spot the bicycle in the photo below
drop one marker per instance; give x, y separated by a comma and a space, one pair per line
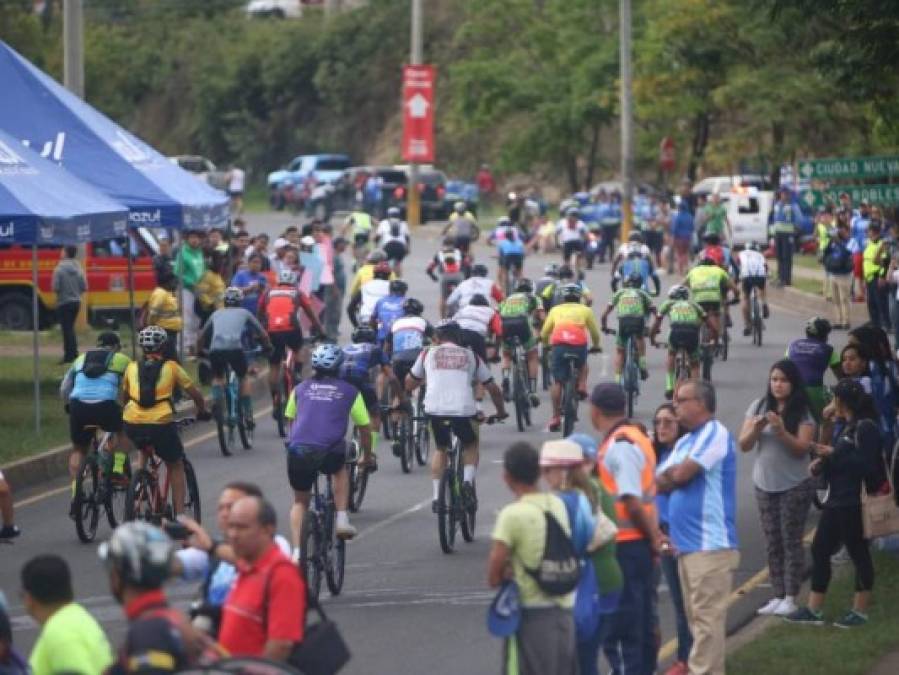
402, 433
358, 476
520, 393
286, 384
148, 492
706, 353
756, 323
322, 551
99, 486
630, 373
230, 416
421, 434
545, 368
682, 370
570, 396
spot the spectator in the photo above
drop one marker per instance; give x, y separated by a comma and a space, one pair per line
210, 290
215, 241
292, 235
313, 266
781, 426
7, 514
855, 364
545, 640
838, 264
236, 179
785, 219
252, 282
626, 469
682, 229
883, 375
190, 266
875, 262
69, 284
332, 309
700, 475
260, 246
71, 640
666, 432
240, 249
163, 264
264, 614
11, 662
893, 279
162, 310
813, 356
281, 246
859, 221
486, 183
844, 465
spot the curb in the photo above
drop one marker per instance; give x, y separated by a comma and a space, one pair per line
811, 304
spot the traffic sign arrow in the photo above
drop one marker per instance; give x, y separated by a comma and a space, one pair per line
806, 169
809, 198
418, 106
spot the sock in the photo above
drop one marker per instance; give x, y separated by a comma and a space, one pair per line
374, 441
468, 471
532, 385
73, 491
669, 380
118, 462
342, 518
642, 362
436, 483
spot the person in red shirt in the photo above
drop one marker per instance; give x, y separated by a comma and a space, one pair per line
485, 181
265, 611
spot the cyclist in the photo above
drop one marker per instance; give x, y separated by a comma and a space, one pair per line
279, 310
708, 284
360, 358
367, 272
91, 390
518, 312
685, 317
451, 268
448, 369
359, 224
511, 252
549, 279
463, 224
404, 343
632, 305
478, 283
753, 274
389, 308
571, 233
635, 256
567, 329
149, 413
225, 332
394, 239
552, 294
322, 407
362, 302
813, 356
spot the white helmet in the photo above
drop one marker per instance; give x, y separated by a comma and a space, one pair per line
152, 339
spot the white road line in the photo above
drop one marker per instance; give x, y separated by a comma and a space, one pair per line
381, 524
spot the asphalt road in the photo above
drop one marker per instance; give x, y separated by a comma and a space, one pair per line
405, 604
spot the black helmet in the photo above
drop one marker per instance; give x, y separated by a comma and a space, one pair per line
636, 236
479, 270
708, 260
565, 272
817, 327
711, 238
364, 334
478, 300
109, 339
633, 280
398, 287
449, 331
524, 286
413, 307
572, 292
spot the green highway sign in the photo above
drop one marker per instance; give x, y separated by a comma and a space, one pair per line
849, 167
874, 194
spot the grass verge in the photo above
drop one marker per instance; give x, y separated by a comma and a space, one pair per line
815, 286
785, 648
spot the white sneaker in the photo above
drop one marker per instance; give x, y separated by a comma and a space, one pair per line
786, 607
770, 607
295, 555
344, 529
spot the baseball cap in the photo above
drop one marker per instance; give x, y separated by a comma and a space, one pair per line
561, 453
280, 242
307, 241
608, 397
504, 613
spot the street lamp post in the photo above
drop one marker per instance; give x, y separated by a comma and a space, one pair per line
413, 196
627, 119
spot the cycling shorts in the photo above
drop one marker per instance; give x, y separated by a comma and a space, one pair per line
655, 239
444, 428
361, 239
104, 414
395, 251
520, 327
463, 243
627, 326
711, 306
569, 248
220, 359
475, 342
163, 438
401, 368
686, 337
448, 284
281, 342
559, 362
511, 261
748, 283
303, 466
369, 395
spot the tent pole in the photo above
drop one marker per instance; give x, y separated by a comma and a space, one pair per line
35, 318
179, 266
131, 296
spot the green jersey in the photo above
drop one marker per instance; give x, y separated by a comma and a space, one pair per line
682, 312
518, 304
631, 302
716, 217
707, 283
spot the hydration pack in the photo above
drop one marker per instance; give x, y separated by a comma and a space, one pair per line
148, 372
96, 362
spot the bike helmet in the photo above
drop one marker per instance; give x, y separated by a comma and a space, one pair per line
376, 256
327, 357
109, 339
679, 292
233, 296
448, 330
413, 307
382, 270
711, 238
573, 212
398, 287
479, 270
287, 276
524, 286
635, 236
551, 271
572, 292
817, 327
140, 553
479, 300
393, 212
364, 334
633, 280
565, 272
459, 207
503, 221
449, 241
152, 339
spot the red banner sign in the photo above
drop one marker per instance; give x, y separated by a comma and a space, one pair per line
418, 114
667, 156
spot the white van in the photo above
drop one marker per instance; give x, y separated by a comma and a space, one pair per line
748, 210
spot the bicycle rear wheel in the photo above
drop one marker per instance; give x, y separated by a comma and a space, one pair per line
139, 498
569, 404
311, 555
192, 495
360, 485
221, 425
545, 373
407, 449
468, 513
87, 505
117, 495
707, 363
446, 512
725, 340
422, 435
245, 432
336, 548
520, 397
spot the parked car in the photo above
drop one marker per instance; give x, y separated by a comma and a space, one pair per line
202, 168
431, 185
325, 169
460, 191
276, 9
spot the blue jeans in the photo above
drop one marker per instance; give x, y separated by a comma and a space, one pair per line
684, 637
588, 650
629, 644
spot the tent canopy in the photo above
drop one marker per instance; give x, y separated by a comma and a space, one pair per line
65, 129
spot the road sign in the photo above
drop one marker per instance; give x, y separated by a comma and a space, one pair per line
667, 155
418, 114
841, 168
874, 194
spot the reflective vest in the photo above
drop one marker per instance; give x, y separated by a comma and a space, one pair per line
361, 222
823, 234
871, 258
782, 222
627, 530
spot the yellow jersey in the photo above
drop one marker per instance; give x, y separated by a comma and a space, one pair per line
365, 274
570, 323
164, 410
162, 310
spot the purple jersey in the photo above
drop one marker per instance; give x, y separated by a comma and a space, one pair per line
812, 358
322, 414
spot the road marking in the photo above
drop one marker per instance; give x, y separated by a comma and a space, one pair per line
187, 444
381, 524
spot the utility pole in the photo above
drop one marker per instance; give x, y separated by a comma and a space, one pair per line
627, 118
73, 46
413, 203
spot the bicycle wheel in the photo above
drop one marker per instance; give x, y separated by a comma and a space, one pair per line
468, 513
359, 487
221, 424
86, 502
245, 432
446, 512
384, 402
569, 405
545, 372
520, 397
279, 403
334, 572
725, 341
422, 435
139, 498
117, 496
192, 495
352, 475
707, 363
407, 449
311, 555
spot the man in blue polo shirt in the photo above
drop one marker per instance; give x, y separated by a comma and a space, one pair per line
700, 475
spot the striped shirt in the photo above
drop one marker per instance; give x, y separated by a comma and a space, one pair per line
702, 513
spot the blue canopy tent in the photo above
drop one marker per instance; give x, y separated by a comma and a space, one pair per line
62, 127
43, 204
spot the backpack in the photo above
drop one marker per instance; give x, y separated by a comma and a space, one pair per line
837, 258
96, 362
586, 598
148, 372
559, 569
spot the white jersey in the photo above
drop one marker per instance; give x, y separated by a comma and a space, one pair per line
752, 264
469, 288
475, 317
385, 232
567, 233
372, 291
625, 249
449, 371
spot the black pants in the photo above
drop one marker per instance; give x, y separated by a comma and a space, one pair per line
841, 526
67, 314
783, 244
878, 304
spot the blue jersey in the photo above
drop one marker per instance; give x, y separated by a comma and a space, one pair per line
103, 387
359, 359
510, 247
387, 310
637, 264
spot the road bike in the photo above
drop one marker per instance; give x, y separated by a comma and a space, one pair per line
148, 492
521, 395
229, 414
630, 371
101, 484
322, 553
570, 395
756, 324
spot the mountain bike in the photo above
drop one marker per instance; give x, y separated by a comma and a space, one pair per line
286, 383
421, 433
229, 415
682, 369
358, 476
148, 492
630, 372
545, 368
570, 396
706, 352
101, 484
756, 324
322, 553
521, 396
